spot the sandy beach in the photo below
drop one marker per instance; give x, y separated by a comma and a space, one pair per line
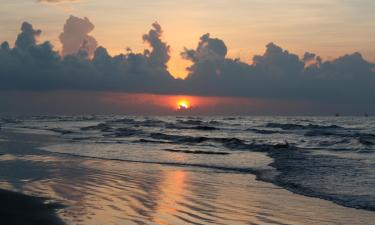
20, 209
96, 191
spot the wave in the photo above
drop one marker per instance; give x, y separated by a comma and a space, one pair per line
215, 123
201, 127
101, 126
138, 123
75, 118
197, 152
179, 139
229, 118
11, 120
61, 131
125, 132
297, 165
204, 128
315, 133
123, 120
366, 139
325, 143
230, 143
291, 126
259, 131
190, 122
142, 140
150, 123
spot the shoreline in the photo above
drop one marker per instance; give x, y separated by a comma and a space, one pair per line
99, 189
282, 165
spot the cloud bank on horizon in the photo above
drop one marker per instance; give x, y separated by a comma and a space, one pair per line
83, 66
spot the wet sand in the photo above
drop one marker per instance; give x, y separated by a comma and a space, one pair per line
114, 192
19, 209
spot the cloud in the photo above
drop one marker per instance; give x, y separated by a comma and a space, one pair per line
308, 57
38, 67
75, 36
159, 56
209, 49
277, 62
277, 74
208, 60
27, 37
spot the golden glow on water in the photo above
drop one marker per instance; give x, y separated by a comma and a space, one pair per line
172, 193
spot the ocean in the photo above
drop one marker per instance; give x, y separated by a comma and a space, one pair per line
331, 158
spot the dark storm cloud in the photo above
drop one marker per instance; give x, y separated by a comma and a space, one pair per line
276, 74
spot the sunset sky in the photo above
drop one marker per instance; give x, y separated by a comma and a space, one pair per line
296, 57
327, 27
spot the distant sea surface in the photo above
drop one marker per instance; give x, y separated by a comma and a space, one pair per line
332, 158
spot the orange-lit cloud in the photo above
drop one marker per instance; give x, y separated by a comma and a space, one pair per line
75, 36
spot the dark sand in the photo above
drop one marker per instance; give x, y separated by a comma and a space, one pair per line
22, 209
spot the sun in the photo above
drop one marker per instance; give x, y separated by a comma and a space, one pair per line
183, 105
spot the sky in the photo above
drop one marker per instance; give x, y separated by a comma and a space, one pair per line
334, 30
326, 27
